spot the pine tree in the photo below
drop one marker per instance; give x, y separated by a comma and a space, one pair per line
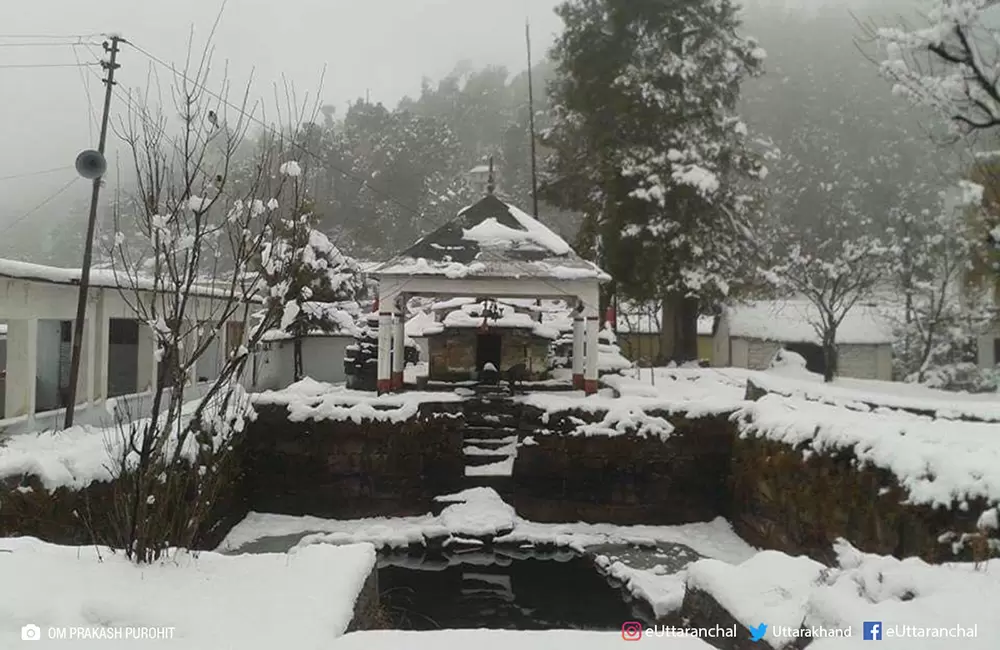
647, 145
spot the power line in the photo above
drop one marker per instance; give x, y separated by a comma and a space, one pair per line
312, 154
273, 131
47, 44
53, 36
41, 205
38, 173
90, 100
48, 65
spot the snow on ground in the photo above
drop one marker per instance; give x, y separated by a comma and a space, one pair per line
312, 400
910, 592
781, 590
856, 393
78, 456
496, 640
252, 602
936, 462
727, 387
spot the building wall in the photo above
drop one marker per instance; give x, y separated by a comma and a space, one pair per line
857, 361
322, 360
644, 347
987, 347
865, 361
452, 354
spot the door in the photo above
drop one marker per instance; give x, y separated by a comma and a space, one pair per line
487, 351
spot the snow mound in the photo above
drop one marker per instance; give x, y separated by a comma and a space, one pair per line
476, 512
211, 601
770, 586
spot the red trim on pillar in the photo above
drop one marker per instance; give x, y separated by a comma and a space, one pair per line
397, 381
384, 386
590, 386
578, 382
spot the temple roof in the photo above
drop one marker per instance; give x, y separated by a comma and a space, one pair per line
492, 239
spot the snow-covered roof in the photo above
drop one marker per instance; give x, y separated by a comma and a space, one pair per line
480, 169
419, 323
100, 277
493, 239
471, 315
790, 321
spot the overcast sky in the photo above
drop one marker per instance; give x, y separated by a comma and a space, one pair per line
381, 46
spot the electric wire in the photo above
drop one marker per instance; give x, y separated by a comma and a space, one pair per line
38, 173
38, 207
347, 174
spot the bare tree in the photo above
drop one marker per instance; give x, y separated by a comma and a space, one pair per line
204, 215
834, 277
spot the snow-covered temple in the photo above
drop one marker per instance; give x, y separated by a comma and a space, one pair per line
489, 252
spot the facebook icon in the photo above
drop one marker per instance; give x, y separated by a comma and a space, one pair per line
872, 631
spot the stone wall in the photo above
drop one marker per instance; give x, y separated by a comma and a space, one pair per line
625, 479
798, 505
77, 517
345, 469
452, 353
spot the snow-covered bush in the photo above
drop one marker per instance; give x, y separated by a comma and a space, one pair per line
964, 376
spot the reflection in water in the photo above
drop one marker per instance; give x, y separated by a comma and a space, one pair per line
482, 590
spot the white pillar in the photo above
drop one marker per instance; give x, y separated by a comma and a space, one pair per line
591, 354
578, 323
22, 368
384, 378
398, 346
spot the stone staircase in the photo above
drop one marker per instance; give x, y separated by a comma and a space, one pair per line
490, 438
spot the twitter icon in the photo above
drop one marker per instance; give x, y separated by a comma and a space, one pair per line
757, 633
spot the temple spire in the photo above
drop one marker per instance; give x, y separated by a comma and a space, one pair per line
491, 181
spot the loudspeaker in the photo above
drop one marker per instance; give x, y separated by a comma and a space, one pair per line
91, 164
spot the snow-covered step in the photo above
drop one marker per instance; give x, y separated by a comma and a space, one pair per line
508, 440
502, 468
506, 450
489, 432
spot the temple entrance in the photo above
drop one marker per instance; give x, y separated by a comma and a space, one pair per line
488, 348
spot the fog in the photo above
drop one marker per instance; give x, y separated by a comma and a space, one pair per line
380, 49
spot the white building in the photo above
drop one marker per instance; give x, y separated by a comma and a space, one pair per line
748, 335
38, 306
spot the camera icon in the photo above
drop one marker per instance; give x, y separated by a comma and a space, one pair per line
31, 632
631, 631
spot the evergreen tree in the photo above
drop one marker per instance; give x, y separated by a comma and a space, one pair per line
646, 144
309, 281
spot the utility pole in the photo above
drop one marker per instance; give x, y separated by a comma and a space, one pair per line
88, 248
531, 123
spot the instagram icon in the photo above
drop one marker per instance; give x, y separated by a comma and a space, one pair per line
632, 631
